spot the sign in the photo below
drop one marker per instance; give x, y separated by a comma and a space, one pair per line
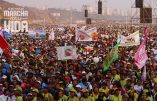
66, 52
38, 34
87, 35
131, 40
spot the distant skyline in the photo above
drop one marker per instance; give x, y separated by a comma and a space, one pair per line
74, 4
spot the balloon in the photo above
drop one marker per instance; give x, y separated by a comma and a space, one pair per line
96, 59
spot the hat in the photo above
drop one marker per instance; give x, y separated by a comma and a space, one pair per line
61, 88
90, 74
83, 72
67, 78
60, 82
29, 94
101, 90
85, 91
125, 95
72, 90
35, 90
38, 82
78, 86
18, 89
78, 74
4, 76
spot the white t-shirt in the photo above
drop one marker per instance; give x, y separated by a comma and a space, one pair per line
138, 88
5, 98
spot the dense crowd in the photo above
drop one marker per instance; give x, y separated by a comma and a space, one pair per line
34, 73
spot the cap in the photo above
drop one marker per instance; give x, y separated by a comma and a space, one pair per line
18, 89
61, 89
78, 86
60, 82
29, 94
125, 95
85, 91
83, 72
72, 90
35, 90
101, 90
4, 76
38, 82
67, 78
78, 74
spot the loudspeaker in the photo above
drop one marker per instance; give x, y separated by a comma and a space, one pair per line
86, 13
145, 15
139, 3
99, 7
88, 21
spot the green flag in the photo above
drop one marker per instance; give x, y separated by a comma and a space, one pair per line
112, 56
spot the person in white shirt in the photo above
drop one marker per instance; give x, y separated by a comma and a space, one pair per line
138, 87
5, 96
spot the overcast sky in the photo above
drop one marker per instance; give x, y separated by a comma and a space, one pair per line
75, 4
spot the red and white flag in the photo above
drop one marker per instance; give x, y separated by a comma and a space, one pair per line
5, 46
141, 55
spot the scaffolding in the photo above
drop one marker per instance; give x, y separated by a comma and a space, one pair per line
135, 12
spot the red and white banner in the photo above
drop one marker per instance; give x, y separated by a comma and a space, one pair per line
141, 55
87, 35
131, 40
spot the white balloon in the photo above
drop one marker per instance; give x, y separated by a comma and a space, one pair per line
96, 59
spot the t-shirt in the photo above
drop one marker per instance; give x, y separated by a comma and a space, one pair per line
95, 96
72, 99
116, 77
34, 99
88, 99
64, 98
123, 82
19, 98
4, 98
116, 98
48, 97
138, 88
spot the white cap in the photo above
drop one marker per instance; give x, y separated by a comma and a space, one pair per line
83, 72
4, 76
90, 74
78, 86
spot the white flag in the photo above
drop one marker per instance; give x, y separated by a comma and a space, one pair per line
144, 74
52, 35
131, 40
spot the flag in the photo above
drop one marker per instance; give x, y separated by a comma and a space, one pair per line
52, 35
5, 46
7, 35
146, 33
141, 56
131, 40
112, 56
1, 32
144, 74
86, 35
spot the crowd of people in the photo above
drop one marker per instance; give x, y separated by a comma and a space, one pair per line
35, 74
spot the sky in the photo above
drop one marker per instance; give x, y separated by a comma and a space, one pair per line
74, 4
